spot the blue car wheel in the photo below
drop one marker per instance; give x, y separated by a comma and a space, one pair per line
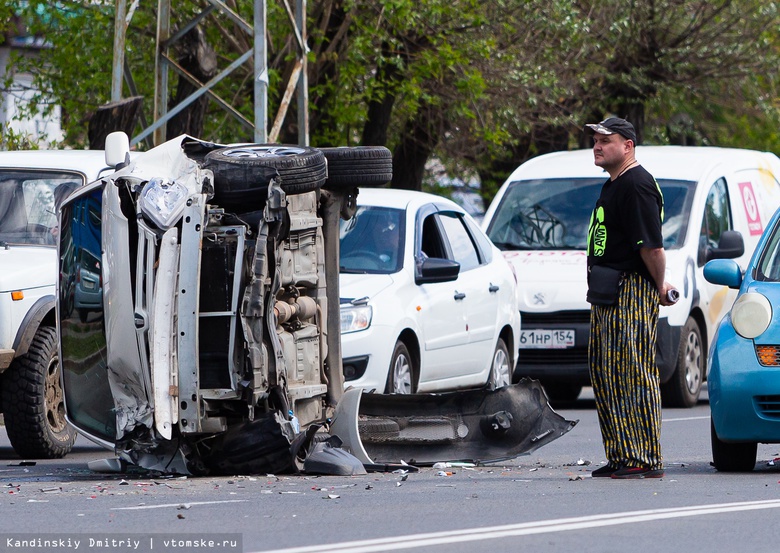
732, 457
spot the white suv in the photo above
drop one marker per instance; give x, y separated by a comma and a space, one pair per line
30, 392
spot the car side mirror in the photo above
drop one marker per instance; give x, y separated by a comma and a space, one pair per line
725, 272
117, 150
436, 269
730, 246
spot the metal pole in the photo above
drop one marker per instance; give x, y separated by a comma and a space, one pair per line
120, 31
261, 73
161, 69
303, 80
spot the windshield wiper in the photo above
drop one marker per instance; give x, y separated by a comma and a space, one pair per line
509, 246
352, 271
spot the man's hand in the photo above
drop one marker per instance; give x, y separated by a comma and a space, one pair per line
664, 291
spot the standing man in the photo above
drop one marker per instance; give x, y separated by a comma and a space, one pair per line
626, 269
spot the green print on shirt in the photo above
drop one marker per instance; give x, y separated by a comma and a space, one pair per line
597, 233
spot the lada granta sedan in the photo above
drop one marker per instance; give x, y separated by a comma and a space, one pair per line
428, 303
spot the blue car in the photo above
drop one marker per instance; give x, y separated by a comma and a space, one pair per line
744, 361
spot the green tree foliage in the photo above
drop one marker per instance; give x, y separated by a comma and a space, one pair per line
480, 85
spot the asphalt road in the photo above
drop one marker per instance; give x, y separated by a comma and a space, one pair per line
542, 502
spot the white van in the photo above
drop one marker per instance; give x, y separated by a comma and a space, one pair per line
539, 219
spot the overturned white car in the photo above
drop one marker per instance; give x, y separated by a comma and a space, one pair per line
210, 343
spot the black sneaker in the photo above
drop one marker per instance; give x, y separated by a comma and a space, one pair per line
604, 472
630, 473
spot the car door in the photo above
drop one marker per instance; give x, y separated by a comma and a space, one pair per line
441, 309
480, 282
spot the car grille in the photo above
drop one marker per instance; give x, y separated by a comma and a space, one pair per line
768, 356
541, 320
768, 406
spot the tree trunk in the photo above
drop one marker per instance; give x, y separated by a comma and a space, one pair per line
200, 60
419, 139
116, 116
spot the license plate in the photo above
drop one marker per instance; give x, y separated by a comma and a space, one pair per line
542, 338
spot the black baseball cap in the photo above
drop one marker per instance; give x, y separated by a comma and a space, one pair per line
614, 125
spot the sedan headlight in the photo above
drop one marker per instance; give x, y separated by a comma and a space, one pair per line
355, 318
751, 315
163, 201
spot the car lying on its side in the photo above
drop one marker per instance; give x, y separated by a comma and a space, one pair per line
428, 303
744, 361
31, 183
211, 342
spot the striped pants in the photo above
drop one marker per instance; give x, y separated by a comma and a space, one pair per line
624, 375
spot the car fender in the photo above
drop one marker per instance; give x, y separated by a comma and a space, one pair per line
40, 310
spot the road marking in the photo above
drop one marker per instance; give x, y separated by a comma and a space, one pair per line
187, 503
686, 419
528, 528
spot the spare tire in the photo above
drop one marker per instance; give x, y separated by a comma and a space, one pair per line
350, 167
242, 173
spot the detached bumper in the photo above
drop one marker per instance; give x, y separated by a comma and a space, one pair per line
481, 426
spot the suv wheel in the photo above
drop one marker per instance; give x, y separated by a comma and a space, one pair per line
33, 404
351, 167
242, 173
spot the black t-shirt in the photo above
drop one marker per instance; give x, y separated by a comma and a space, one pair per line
627, 217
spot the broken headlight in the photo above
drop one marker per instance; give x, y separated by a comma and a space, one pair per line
163, 201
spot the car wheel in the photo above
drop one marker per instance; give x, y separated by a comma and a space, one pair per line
562, 391
732, 457
33, 404
500, 371
684, 388
358, 166
401, 378
242, 173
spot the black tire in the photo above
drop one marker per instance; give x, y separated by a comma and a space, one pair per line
402, 373
500, 367
684, 387
351, 167
732, 457
562, 391
242, 173
33, 404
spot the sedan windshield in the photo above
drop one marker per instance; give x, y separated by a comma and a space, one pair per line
553, 214
372, 241
27, 210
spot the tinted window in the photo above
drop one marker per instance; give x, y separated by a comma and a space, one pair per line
553, 214
83, 341
372, 241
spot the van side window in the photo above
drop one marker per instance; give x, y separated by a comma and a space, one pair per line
717, 218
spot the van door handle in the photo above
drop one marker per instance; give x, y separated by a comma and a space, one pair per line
459, 295
493, 288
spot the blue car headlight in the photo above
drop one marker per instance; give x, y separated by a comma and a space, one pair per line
355, 317
751, 315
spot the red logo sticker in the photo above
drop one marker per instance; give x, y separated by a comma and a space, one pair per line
751, 208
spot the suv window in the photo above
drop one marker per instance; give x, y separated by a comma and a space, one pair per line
27, 210
553, 214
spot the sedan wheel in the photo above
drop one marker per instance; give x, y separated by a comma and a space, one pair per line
684, 388
401, 378
732, 457
500, 371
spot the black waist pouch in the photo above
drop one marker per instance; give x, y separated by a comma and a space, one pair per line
604, 285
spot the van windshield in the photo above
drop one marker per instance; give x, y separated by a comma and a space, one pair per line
553, 214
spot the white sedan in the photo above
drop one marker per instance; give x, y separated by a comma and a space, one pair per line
428, 303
